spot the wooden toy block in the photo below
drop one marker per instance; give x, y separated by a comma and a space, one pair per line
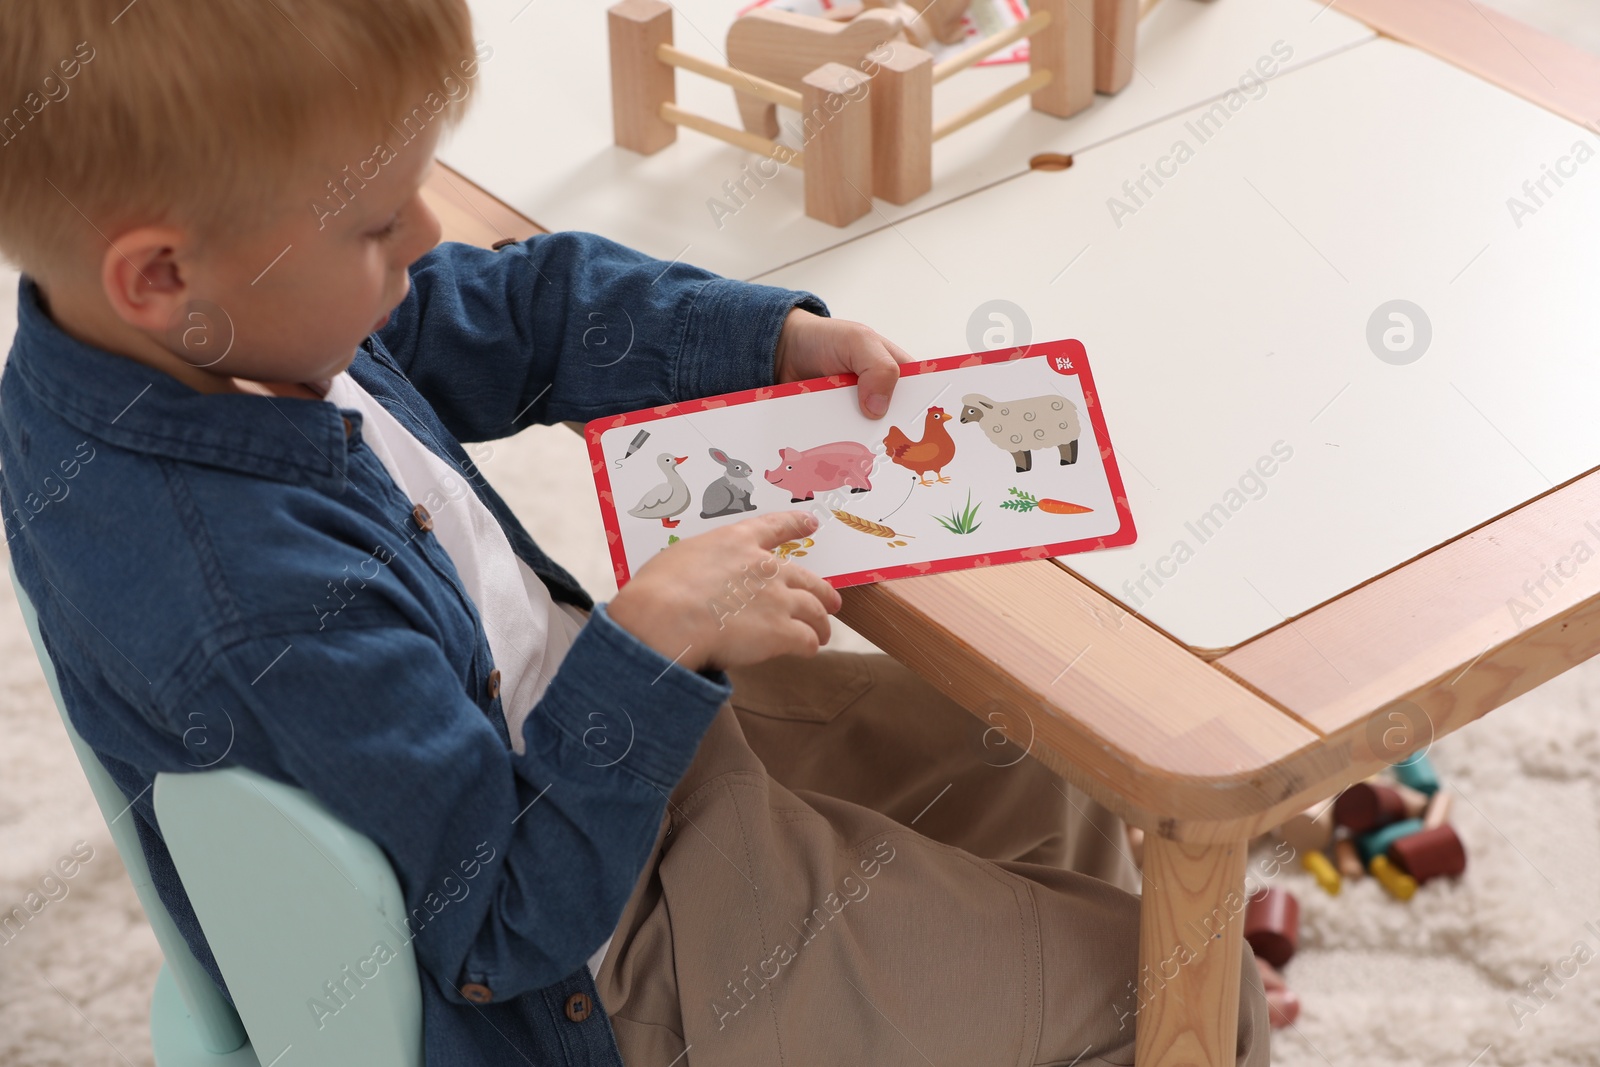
782, 47
1319, 867
1366, 806
838, 156
1272, 925
1116, 40
1418, 773
1429, 854
1438, 813
1116, 29
1348, 859
1414, 802
1400, 885
1065, 48
640, 82
1378, 841
902, 99
1041, 24
1309, 831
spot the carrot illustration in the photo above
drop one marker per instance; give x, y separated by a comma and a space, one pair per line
1027, 502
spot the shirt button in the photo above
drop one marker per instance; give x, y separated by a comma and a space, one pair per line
494, 683
579, 1006
420, 516
478, 994
347, 426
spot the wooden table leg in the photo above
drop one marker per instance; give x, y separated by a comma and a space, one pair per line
1191, 928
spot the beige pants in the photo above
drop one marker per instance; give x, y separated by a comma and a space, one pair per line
856, 870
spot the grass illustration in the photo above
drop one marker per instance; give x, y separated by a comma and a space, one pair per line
961, 522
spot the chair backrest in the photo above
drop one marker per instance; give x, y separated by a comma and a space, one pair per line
304, 915
218, 1024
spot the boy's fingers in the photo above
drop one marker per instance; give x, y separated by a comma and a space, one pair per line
813, 583
810, 613
875, 384
805, 635
816, 619
776, 527
900, 355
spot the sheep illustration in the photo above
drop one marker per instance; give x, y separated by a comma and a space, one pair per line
1020, 426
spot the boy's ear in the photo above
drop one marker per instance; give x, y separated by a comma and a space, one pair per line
144, 274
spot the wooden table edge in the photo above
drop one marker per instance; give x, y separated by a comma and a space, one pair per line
1455, 632
1496, 47
470, 213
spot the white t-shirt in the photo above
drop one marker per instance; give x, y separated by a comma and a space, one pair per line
528, 631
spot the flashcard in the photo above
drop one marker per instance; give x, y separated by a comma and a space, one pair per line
981, 459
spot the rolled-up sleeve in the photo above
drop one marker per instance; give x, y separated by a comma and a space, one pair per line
514, 868
572, 326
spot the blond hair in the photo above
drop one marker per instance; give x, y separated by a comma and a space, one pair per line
199, 113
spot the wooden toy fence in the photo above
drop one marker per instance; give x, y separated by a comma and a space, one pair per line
866, 132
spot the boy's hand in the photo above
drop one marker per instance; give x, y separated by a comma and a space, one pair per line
813, 346
722, 598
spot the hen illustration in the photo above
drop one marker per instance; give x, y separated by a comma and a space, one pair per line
933, 453
668, 499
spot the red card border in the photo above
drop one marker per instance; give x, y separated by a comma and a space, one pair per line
1125, 534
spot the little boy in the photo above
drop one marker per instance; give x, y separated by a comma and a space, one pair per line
234, 486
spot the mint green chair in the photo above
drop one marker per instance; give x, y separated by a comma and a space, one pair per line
304, 915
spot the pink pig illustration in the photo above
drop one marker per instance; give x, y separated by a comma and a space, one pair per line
810, 471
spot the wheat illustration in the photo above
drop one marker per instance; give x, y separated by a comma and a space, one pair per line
794, 548
867, 526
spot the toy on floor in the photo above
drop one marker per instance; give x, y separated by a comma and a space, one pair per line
1395, 828
1272, 929
1272, 925
857, 145
1283, 1005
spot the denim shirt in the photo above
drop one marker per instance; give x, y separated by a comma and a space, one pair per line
246, 560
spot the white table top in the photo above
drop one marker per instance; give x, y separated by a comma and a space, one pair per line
1230, 312
539, 134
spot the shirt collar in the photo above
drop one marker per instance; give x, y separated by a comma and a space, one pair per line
138, 408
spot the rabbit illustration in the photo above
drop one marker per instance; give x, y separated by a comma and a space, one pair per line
729, 494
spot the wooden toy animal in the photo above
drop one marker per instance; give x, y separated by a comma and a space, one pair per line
942, 18
1019, 426
783, 47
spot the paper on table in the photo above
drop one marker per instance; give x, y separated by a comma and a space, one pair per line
984, 18
915, 492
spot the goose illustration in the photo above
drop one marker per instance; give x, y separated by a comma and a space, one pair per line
671, 497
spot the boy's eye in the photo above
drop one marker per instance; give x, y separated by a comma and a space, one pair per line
387, 231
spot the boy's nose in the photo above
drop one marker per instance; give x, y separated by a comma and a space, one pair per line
428, 230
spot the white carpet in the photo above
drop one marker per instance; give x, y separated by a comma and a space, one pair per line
1425, 983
